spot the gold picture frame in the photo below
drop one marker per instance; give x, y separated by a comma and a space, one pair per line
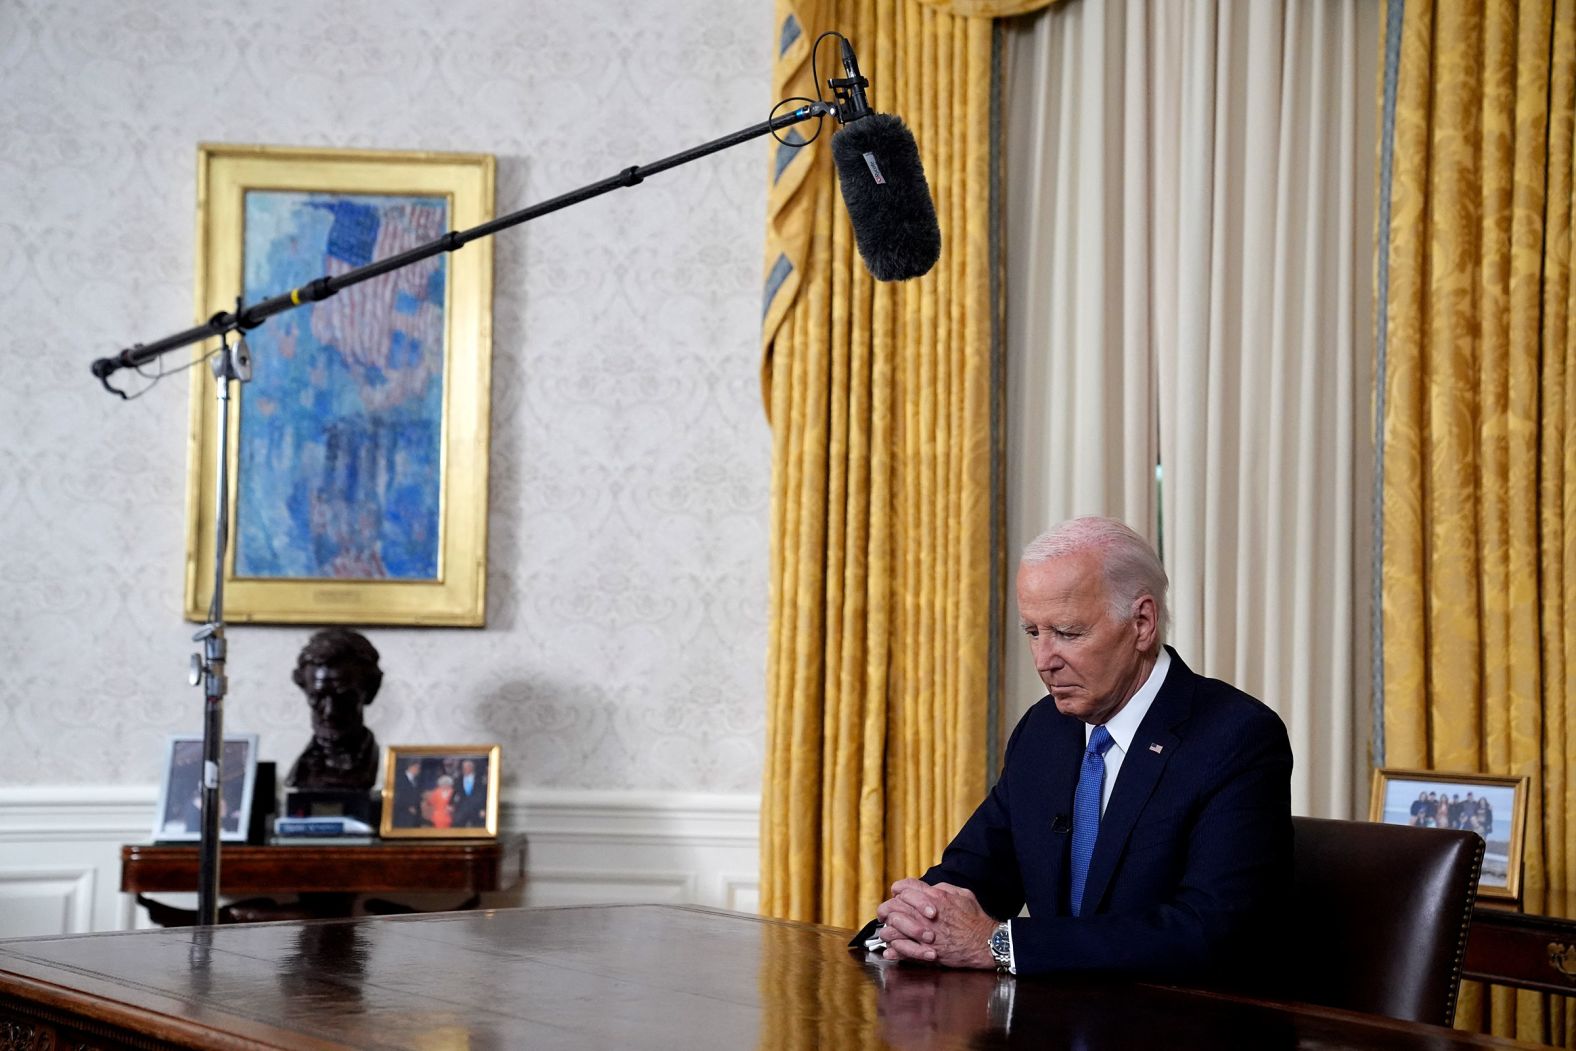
424, 790
1498, 813
358, 452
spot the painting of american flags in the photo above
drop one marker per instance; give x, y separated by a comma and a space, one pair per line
358, 451
339, 467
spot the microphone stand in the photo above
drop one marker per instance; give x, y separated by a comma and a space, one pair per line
233, 364
247, 318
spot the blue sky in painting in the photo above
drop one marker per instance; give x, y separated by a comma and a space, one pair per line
341, 427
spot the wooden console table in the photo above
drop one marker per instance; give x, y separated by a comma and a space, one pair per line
1532, 947
327, 879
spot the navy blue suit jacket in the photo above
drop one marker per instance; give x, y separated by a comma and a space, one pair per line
1194, 846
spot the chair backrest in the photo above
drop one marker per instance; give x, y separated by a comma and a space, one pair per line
1381, 914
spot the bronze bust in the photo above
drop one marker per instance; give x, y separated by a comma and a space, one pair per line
338, 671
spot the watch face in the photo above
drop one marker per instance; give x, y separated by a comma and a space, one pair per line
999, 943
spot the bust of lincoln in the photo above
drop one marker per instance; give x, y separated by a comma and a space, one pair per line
338, 671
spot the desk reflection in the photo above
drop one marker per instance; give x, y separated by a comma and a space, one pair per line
326, 969
929, 1009
926, 1009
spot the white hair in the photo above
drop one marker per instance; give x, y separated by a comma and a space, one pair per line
1131, 567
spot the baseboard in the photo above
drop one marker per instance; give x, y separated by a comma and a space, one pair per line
60, 846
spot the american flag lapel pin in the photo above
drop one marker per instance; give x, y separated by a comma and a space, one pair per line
1157, 748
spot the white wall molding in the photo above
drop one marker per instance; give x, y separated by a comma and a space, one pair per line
611, 846
603, 886
741, 891
692, 818
74, 812
38, 899
61, 846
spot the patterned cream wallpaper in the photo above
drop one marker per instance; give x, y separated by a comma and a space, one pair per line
630, 454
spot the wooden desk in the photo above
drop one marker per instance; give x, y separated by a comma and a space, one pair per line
328, 879
1532, 947
607, 976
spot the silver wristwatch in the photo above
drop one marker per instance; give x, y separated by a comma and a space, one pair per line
1001, 946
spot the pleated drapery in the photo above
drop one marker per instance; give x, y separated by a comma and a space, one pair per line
1262, 325
884, 556
1478, 454
988, 8
1188, 286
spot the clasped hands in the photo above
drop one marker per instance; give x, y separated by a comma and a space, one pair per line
940, 924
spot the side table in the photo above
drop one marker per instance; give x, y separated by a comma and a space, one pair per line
1530, 945
327, 879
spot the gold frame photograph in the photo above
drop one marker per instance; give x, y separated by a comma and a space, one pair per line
415, 792
1392, 802
339, 515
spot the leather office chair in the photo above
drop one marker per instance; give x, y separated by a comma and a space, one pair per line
1381, 914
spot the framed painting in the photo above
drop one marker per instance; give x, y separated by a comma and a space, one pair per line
180, 789
359, 447
1493, 807
440, 790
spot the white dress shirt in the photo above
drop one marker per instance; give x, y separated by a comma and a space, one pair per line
1124, 724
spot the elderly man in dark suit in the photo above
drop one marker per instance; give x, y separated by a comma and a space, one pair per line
410, 784
1143, 813
470, 795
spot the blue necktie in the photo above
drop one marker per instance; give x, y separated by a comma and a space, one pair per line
1086, 809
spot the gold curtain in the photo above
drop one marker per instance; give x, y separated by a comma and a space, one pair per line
884, 554
988, 8
1478, 456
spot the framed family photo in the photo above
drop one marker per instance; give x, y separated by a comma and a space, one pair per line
1493, 807
359, 447
440, 791
180, 793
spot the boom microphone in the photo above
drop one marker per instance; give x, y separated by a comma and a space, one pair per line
852, 104
883, 184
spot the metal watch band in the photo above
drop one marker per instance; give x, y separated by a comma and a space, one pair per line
1001, 946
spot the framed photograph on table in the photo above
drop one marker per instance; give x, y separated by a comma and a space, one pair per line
179, 816
359, 446
1493, 807
440, 791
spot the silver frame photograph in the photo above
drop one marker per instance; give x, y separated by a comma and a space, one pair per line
182, 780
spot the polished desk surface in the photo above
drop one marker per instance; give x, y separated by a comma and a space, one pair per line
595, 977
